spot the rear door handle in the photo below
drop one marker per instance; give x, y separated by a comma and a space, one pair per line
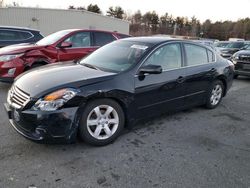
180, 80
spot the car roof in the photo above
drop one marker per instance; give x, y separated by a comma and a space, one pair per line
18, 28
152, 40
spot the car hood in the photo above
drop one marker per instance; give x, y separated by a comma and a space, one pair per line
229, 49
46, 79
243, 52
243, 55
18, 48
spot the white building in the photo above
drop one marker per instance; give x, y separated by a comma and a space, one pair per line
51, 20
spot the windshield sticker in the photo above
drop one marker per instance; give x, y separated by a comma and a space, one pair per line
141, 47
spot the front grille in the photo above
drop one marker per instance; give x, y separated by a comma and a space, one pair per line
17, 97
245, 58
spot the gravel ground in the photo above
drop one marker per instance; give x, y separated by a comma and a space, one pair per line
193, 148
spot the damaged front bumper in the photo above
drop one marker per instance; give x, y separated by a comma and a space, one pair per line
58, 126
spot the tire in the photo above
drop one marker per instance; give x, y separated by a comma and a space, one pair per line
215, 94
96, 127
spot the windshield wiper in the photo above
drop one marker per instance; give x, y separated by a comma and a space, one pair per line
90, 66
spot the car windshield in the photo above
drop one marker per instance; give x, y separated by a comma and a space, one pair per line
51, 39
247, 47
235, 45
220, 44
117, 56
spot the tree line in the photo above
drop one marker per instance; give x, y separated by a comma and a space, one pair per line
151, 23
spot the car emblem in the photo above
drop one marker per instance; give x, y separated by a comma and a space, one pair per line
11, 93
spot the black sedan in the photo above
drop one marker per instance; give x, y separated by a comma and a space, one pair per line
120, 83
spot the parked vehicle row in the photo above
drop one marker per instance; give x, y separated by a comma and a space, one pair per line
115, 86
62, 46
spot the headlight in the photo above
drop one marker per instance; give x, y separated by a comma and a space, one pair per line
55, 100
10, 57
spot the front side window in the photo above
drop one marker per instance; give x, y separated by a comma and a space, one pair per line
101, 38
78, 40
195, 54
168, 57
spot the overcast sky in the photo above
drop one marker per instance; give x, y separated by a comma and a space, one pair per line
202, 9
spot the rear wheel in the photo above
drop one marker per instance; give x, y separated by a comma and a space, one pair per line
215, 94
102, 122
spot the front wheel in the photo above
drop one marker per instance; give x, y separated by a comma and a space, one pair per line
215, 94
102, 122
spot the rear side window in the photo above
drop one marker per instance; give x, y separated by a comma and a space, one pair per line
210, 56
101, 38
11, 35
195, 54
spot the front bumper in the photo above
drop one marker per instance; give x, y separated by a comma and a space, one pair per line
45, 127
16, 64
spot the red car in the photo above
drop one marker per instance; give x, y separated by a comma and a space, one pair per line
62, 46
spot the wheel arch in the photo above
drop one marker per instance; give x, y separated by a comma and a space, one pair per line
35, 62
223, 79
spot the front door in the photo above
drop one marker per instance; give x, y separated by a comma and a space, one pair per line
81, 46
162, 92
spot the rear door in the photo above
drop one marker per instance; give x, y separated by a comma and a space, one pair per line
102, 38
82, 45
200, 72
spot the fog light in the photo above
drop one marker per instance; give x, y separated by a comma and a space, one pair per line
12, 71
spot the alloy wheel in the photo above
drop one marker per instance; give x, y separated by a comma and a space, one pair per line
102, 122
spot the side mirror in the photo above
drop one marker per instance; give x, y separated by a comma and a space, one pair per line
150, 69
66, 45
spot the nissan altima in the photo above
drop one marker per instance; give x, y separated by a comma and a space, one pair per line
120, 83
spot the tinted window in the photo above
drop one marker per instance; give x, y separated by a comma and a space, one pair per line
168, 56
11, 35
81, 39
195, 54
235, 45
103, 38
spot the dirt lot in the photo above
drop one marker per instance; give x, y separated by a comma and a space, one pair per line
194, 148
